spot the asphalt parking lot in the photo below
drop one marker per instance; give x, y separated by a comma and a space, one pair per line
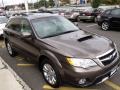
30, 73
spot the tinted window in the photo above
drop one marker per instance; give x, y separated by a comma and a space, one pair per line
14, 24
25, 26
115, 12
51, 26
107, 12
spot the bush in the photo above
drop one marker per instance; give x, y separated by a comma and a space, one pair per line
96, 3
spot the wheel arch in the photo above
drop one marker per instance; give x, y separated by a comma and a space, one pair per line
45, 54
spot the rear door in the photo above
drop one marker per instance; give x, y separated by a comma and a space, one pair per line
24, 45
13, 31
115, 20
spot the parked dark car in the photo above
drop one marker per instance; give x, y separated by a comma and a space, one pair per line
64, 52
109, 19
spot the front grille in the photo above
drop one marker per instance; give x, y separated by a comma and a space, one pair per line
108, 58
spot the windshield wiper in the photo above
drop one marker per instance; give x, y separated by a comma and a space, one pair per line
60, 33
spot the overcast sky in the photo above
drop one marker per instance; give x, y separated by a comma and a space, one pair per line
9, 2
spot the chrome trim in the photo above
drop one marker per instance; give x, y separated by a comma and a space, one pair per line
109, 57
113, 54
104, 53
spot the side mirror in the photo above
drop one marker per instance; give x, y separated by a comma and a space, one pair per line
26, 34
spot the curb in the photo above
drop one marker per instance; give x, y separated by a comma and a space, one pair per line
18, 79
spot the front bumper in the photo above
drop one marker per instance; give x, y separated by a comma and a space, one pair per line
86, 17
94, 77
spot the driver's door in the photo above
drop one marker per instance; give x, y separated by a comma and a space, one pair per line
27, 45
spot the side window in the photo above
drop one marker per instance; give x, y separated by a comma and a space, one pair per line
25, 26
115, 12
107, 12
14, 24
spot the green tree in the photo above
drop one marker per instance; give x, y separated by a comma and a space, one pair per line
96, 3
110, 2
43, 3
36, 5
51, 3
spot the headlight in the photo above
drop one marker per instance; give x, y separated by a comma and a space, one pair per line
84, 63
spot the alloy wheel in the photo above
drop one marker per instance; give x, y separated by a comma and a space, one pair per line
105, 26
49, 74
9, 49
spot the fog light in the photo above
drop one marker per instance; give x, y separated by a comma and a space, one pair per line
82, 81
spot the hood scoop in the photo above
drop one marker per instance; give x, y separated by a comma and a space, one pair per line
85, 38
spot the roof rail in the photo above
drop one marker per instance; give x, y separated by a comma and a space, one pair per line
20, 14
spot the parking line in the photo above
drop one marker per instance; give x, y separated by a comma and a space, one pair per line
19, 58
25, 65
3, 46
47, 87
0, 46
113, 85
91, 25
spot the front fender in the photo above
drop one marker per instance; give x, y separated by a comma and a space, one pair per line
51, 56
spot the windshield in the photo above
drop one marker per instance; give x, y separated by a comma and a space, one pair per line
53, 26
3, 20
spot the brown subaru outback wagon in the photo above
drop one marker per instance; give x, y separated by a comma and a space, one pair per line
64, 52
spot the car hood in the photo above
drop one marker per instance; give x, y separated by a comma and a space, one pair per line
80, 44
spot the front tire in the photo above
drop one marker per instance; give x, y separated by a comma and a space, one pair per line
10, 49
105, 26
51, 73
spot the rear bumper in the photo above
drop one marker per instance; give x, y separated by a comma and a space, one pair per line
86, 17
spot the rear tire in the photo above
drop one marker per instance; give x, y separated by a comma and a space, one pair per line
50, 73
10, 49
